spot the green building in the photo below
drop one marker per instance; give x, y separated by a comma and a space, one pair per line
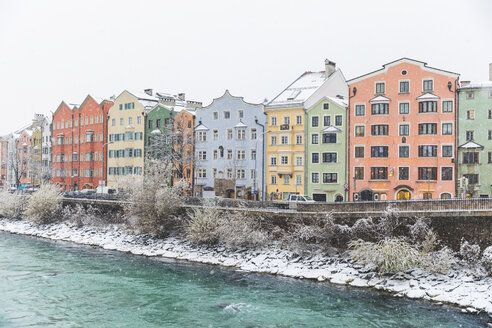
475, 139
326, 150
158, 131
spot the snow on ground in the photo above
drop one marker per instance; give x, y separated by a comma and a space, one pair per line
458, 287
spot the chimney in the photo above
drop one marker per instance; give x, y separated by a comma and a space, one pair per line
490, 72
329, 67
181, 96
464, 83
148, 91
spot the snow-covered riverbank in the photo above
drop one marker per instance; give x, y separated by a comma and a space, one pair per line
457, 287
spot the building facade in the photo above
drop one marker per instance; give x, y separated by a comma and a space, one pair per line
326, 150
46, 161
285, 148
126, 128
158, 132
183, 150
402, 140
36, 151
64, 175
475, 139
229, 145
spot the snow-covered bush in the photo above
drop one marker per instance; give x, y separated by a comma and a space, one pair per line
437, 262
152, 200
12, 206
45, 205
470, 253
81, 216
389, 255
203, 225
487, 260
364, 229
429, 243
242, 230
420, 229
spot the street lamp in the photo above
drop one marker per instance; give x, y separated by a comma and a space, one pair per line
256, 159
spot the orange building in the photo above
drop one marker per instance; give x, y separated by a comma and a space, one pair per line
183, 157
402, 132
62, 147
23, 161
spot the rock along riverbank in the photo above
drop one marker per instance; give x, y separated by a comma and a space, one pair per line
459, 287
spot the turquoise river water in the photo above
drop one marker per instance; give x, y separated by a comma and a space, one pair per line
55, 284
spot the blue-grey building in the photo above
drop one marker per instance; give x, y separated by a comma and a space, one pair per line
230, 148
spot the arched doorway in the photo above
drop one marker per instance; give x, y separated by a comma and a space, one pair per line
338, 198
446, 195
403, 194
366, 195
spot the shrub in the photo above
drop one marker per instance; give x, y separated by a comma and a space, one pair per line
437, 262
45, 205
470, 253
12, 206
487, 260
82, 216
239, 229
420, 229
203, 226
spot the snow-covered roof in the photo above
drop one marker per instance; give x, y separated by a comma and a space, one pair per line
471, 145
379, 99
331, 129
156, 131
428, 96
485, 84
240, 125
342, 102
201, 127
146, 100
300, 89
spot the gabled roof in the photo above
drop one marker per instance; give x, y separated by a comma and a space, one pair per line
422, 65
240, 125
201, 127
471, 145
227, 94
342, 102
428, 96
379, 99
299, 90
478, 85
331, 129
62, 105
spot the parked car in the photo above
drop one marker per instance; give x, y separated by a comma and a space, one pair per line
300, 198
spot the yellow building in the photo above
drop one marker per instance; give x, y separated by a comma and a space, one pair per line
126, 127
37, 140
285, 151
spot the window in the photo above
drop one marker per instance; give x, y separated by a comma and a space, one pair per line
326, 120
470, 95
447, 151
404, 130
215, 154
298, 180
427, 173
253, 154
139, 119
359, 130
240, 155
490, 157
329, 138
470, 114
202, 173
314, 138
229, 154
284, 160
241, 174
447, 106
359, 151
229, 173
428, 85
113, 122
286, 180
253, 134
299, 139
379, 109
470, 135
329, 157
446, 173
427, 128
427, 151
379, 151
214, 172
472, 178
326, 106
274, 140
427, 195
273, 161
273, 179
404, 108
274, 121
315, 158
299, 119
403, 173
215, 115
298, 160
229, 134
215, 134
315, 177
404, 86
379, 87
360, 110
379, 130
241, 134
287, 120
240, 114
490, 114
252, 173
359, 173
447, 129
122, 122
157, 122
404, 151
314, 121
338, 120
202, 136
470, 158
284, 140
490, 134
379, 173
227, 115
427, 106
330, 177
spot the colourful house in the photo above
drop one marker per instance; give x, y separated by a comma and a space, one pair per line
475, 139
65, 176
402, 140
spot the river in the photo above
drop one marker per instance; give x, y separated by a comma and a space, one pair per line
57, 284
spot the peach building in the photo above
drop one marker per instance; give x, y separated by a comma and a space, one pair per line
402, 132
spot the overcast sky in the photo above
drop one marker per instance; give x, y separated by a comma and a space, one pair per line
63, 50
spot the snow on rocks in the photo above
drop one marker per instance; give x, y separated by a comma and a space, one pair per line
459, 287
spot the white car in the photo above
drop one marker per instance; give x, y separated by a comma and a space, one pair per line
301, 198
